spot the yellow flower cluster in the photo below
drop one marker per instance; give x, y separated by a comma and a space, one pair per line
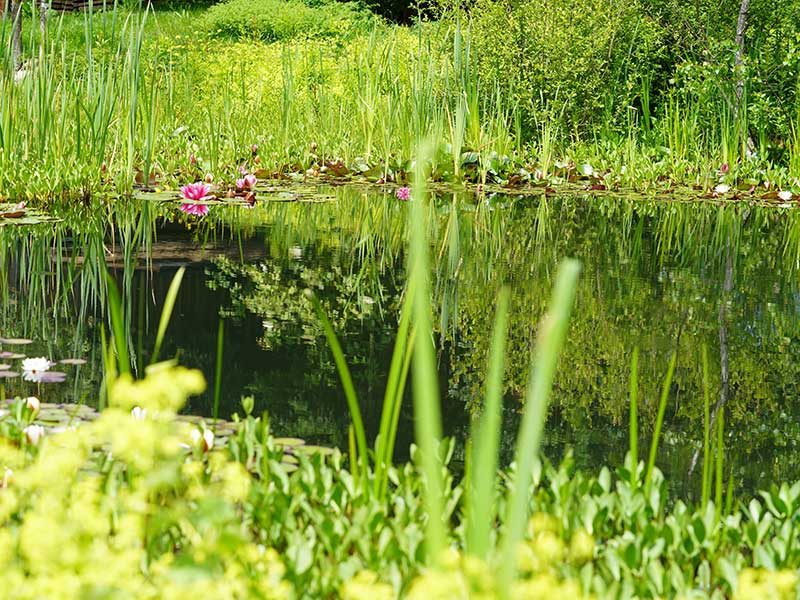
757, 584
538, 558
118, 509
469, 578
366, 586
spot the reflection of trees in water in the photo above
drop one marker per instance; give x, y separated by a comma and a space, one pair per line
646, 266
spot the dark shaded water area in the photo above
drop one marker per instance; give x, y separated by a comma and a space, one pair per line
662, 276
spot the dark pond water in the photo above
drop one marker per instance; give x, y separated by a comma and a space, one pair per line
658, 275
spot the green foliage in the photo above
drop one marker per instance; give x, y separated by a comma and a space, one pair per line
273, 20
580, 64
133, 512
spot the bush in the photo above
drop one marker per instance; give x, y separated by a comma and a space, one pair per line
584, 62
273, 20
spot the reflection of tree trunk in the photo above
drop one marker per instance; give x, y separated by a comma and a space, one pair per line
722, 321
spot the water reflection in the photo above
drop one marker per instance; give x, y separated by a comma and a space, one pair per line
664, 276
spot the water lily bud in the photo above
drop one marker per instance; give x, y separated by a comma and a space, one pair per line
103, 168
257, 160
242, 170
20, 206
33, 433
254, 149
192, 159
313, 146
139, 413
205, 439
209, 178
32, 402
6, 478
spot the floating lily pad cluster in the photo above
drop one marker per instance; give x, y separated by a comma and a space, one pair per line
277, 192
20, 214
37, 370
50, 418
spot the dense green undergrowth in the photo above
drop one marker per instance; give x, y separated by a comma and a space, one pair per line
618, 99
140, 510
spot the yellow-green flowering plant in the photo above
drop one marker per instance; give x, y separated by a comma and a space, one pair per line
119, 508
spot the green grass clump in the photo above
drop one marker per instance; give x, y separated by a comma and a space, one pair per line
275, 20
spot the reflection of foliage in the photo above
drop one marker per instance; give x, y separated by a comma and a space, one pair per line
279, 295
657, 285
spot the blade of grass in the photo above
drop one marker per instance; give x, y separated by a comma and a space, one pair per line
393, 395
662, 407
117, 326
550, 339
390, 442
218, 372
634, 418
427, 411
486, 440
347, 383
166, 312
720, 452
706, 488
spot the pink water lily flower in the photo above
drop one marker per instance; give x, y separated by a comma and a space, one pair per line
195, 191
200, 210
723, 170
246, 183
404, 193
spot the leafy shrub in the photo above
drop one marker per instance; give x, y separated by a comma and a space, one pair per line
273, 20
583, 61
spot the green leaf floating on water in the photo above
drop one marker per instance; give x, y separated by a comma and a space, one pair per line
11, 214
15, 341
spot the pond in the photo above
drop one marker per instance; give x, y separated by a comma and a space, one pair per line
661, 275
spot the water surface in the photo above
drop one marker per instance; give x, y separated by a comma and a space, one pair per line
658, 275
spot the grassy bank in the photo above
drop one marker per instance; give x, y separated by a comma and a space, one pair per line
115, 99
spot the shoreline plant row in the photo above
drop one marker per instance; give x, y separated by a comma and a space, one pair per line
112, 100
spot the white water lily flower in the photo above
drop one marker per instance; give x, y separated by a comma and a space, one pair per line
33, 433
722, 188
587, 169
32, 402
204, 438
785, 195
139, 413
34, 368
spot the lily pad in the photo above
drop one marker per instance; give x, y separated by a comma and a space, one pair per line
72, 361
4, 367
288, 441
8, 374
325, 451
11, 355
15, 341
52, 377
